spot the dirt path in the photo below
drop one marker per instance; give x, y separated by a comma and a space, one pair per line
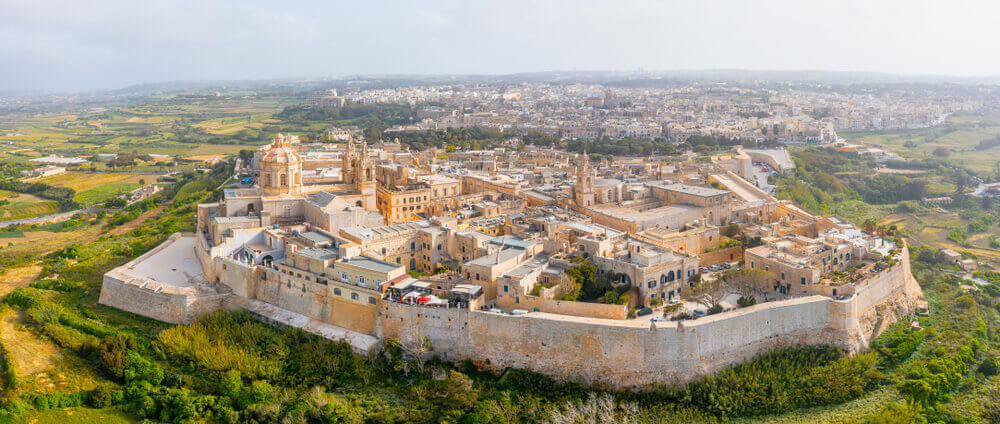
136, 222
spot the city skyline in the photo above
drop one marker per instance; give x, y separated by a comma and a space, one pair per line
56, 45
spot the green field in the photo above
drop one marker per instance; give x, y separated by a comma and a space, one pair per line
960, 133
24, 206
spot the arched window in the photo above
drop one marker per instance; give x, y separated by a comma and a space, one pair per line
284, 180
670, 276
354, 296
413, 264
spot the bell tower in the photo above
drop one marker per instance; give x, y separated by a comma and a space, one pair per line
364, 177
584, 190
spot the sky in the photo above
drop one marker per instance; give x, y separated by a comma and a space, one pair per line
59, 45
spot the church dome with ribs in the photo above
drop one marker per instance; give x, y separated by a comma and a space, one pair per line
280, 152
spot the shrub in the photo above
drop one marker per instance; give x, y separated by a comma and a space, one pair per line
897, 345
23, 298
103, 396
783, 380
989, 367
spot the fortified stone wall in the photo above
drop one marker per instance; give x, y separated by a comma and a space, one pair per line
630, 354
170, 306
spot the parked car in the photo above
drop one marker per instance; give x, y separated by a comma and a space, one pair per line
699, 313
660, 319
644, 312
673, 302
703, 270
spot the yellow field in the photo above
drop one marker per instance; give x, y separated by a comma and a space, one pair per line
43, 242
94, 188
18, 277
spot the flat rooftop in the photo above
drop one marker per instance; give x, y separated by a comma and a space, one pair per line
689, 189
527, 267
634, 213
372, 264
318, 254
494, 258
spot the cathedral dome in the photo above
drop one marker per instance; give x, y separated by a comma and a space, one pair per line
280, 152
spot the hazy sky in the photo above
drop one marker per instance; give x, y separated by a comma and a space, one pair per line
82, 44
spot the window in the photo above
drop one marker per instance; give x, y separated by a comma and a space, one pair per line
284, 180
505, 289
354, 296
361, 280
751, 264
371, 300
343, 277
336, 292
803, 280
651, 284
782, 275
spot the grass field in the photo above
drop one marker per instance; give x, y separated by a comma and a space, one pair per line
95, 188
25, 206
42, 242
932, 228
960, 134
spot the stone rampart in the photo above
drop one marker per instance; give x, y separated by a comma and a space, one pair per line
122, 288
153, 302
636, 354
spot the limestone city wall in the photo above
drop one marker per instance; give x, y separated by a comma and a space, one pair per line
630, 354
175, 308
